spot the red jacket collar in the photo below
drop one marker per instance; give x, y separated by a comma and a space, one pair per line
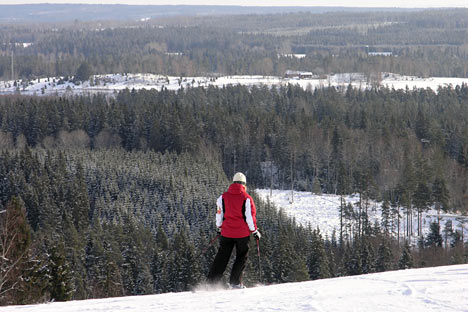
236, 188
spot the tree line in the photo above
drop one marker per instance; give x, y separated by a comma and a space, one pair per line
423, 43
377, 142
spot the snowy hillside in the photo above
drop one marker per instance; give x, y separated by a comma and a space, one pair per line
322, 211
429, 289
115, 82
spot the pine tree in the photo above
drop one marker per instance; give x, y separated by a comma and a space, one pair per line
456, 239
83, 72
60, 284
448, 231
144, 280
408, 186
160, 262
458, 250
406, 259
395, 212
352, 261
289, 265
422, 199
440, 193
183, 268
330, 248
113, 279
342, 212
161, 239
367, 257
384, 258
317, 259
159, 271
95, 266
434, 238
386, 217
299, 271
78, 201
441, 196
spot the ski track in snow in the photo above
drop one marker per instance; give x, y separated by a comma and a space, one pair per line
428, 289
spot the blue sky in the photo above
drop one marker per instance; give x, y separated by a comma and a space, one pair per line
349, 3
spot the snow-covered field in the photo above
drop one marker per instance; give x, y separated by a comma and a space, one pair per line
115, 82
317, 210
416, 290
322, 211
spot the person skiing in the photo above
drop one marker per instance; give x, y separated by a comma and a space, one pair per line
235, 221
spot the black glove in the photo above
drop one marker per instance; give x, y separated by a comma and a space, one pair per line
257, 234
218, 230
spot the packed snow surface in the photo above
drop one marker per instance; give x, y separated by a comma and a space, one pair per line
428, 289
115, 82
322, 211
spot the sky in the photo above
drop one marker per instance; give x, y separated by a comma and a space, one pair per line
347, 3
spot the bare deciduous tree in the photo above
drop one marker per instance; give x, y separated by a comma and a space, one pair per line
107, 139
15, 239
6, 140
74, 139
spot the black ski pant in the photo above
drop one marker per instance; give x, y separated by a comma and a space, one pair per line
222, 258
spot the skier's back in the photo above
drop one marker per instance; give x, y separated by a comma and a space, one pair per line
236, 219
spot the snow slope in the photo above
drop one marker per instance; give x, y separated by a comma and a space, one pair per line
322, 211
428, 289
115, 82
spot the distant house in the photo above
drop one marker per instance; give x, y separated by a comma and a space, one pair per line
298, 74
305, 75
380, 53
292, 74
292, 55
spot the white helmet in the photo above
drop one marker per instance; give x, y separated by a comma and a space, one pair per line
239, 177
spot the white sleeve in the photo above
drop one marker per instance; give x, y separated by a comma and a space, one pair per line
248, 215
219, 211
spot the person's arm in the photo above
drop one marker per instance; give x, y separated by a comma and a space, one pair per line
250, 215
219, 212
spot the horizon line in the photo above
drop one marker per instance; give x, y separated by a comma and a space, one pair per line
239, 5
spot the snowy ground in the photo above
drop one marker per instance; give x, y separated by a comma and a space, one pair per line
115, 82
322, 211
428, 289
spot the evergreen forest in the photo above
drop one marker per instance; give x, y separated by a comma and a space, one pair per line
422, 43
110, 196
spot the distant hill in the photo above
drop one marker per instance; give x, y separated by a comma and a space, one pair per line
89, 12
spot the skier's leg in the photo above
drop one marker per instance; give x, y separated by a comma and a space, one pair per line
221, 260
242, 249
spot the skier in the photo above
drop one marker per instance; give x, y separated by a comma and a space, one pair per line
235, 221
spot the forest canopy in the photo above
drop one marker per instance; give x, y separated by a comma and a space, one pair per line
421, 43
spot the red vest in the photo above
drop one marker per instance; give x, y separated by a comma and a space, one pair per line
234, 223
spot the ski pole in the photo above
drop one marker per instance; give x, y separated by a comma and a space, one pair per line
259, 261
209, 245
